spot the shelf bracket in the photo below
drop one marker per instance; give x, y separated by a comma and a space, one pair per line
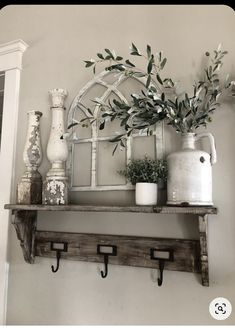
25, 223
203, 230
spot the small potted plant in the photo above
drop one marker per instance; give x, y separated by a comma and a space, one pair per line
145, 174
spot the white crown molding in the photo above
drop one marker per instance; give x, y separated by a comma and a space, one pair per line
11, 54
12, 46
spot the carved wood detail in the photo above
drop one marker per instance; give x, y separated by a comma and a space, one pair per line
25, 223
203, 228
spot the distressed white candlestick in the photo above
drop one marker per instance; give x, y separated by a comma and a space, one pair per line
55, 187
29, 189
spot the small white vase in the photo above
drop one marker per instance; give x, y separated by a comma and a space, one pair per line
145, 193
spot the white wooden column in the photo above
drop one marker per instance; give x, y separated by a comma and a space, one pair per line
10, 62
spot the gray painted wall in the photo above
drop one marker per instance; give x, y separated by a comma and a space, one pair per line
60, 38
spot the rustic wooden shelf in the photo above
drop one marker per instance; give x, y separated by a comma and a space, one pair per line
136, 209
187, 254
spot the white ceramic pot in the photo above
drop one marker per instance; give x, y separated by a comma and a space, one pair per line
145, 193
189, 179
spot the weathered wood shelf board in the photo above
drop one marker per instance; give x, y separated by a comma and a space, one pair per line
178, 254
135, 209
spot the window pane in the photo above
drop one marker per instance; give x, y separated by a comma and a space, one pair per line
111, 128
81, 132
82, 165
131, 86
96, 90
143, 146
112, 164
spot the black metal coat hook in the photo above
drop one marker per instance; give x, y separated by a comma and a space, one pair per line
161, 268
57, 263
106, 261
106, 250
161, 255
58, 247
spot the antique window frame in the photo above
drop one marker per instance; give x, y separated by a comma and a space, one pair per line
158, 133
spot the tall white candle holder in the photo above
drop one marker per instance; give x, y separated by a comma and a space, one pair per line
55, 187
29, 189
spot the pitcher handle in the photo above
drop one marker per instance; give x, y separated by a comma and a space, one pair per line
212, 145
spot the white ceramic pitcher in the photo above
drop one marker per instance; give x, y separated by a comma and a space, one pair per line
190, 172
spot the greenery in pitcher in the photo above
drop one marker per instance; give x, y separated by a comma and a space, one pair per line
160, 100
145, 170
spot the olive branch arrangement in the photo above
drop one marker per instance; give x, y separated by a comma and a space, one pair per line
159, 100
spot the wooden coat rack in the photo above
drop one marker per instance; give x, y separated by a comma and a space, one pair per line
187, 255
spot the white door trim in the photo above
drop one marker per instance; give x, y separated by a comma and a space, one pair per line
11, 63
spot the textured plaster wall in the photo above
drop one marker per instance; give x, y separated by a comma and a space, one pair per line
60, 38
